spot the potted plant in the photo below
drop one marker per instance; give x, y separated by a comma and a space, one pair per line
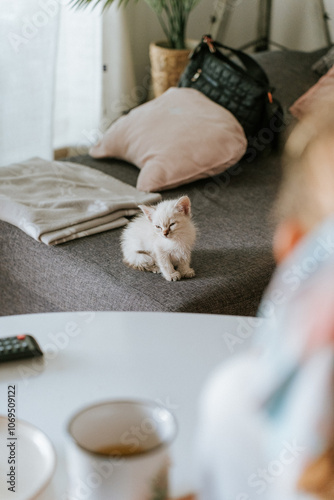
170, 57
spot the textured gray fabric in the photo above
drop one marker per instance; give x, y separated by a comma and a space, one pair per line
291, 75
324, 63
232, 258
290, 72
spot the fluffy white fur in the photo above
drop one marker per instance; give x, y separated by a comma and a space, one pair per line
160, 239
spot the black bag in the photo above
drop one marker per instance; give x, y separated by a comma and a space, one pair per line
246, 93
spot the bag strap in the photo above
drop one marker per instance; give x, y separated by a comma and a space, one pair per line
252, 67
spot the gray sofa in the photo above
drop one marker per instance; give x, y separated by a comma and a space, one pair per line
232, 258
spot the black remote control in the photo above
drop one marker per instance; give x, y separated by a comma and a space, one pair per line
19, 347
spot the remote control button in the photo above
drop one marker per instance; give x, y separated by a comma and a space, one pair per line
17, 347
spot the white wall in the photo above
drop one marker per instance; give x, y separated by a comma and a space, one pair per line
295, 23
298, 23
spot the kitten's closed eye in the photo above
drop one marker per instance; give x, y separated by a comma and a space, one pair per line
172, 224
158, 227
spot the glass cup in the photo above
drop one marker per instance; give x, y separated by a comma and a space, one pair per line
119, 450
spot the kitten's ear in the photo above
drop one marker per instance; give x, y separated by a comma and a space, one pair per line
183, 205
148, 211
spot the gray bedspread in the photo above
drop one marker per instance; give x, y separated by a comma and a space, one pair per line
232, 258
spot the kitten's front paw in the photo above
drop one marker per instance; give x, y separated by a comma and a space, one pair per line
154, 269
175, 276
189, 274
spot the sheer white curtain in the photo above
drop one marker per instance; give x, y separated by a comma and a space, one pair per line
53, 92
27, 59
120, 91
78, 83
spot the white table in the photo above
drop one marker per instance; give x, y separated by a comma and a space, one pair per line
106, 355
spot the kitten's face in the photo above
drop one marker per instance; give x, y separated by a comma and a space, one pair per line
165, 222
168, 217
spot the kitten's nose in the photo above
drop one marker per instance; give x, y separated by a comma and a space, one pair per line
166, 232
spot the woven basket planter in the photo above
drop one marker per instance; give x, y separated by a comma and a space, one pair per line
167, 65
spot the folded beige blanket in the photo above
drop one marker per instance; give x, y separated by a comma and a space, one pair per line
55, 201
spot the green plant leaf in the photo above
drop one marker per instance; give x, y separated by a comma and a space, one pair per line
94, 3
156, 5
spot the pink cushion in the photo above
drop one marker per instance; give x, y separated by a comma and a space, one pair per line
177, 138
321, 92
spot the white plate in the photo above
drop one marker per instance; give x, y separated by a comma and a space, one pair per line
35, 461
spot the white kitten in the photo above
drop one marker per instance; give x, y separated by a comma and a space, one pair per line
161, 239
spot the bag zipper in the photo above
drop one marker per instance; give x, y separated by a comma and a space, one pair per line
199, 72
196, 75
